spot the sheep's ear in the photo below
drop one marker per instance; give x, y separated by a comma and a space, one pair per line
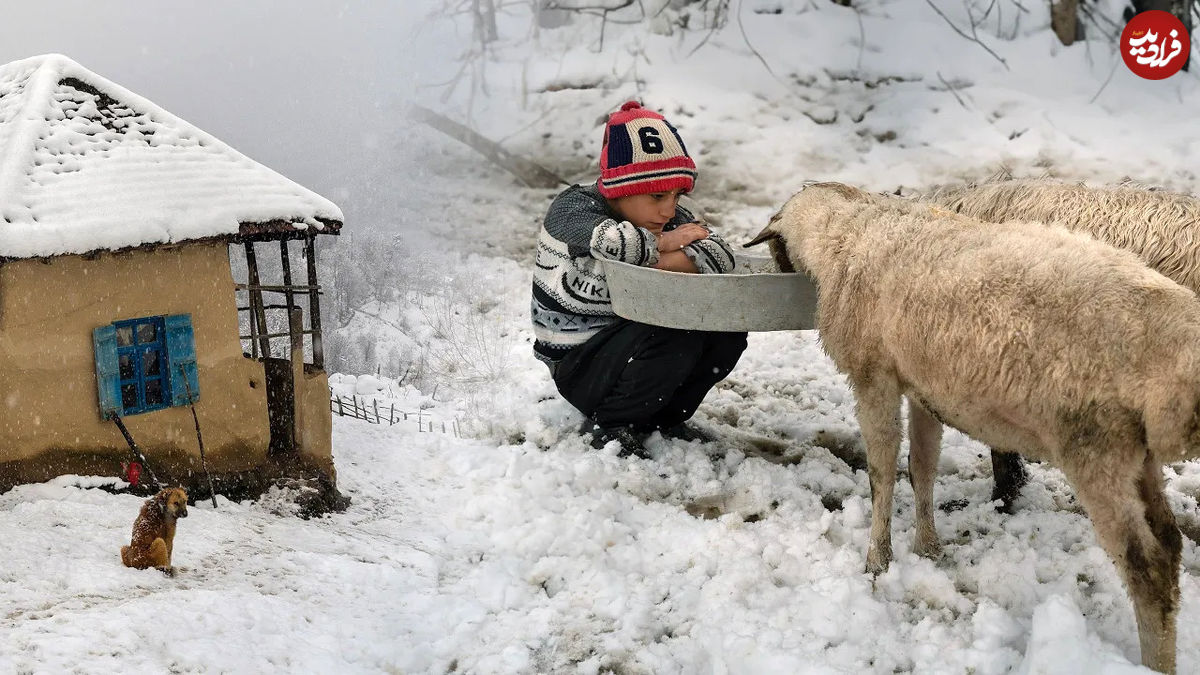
766, 235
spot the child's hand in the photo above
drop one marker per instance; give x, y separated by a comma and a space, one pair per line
681, 236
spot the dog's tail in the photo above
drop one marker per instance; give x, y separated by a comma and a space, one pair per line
125, 557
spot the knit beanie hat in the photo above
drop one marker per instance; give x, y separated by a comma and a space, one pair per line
642, 154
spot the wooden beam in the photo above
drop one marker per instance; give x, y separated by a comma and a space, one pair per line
253, 328
272, 289
256, 301
296, 329
279, 335
287, 283
314, 302
266, 306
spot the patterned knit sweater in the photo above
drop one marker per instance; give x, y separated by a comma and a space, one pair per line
570, 293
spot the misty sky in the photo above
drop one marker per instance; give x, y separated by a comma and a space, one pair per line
311, 89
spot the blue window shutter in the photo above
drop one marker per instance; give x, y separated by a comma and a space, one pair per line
108, 377
181, 353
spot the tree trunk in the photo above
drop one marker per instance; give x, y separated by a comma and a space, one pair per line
1064, 17
485, 20
530, 173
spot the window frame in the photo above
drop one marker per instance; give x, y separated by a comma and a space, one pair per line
137, 350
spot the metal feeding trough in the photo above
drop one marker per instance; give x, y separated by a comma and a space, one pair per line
752, 298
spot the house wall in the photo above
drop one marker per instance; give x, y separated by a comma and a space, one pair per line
49, 416
314, 422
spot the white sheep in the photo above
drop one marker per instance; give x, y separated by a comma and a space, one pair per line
1159, 227
1024, 337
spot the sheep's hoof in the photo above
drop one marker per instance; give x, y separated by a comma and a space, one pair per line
928, 549
877, 563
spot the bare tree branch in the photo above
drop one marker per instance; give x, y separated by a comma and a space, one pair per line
952, 90
862, 40
1116, 62
754, 51
988, 11
974, 39
720, 10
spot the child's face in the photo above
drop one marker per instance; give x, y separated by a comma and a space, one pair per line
650, 211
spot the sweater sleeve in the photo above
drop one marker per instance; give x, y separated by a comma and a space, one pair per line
625, 242
711, 255
580, 219
573, 217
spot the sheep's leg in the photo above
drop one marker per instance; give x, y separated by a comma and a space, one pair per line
878, 412
925, 444
1010, 476
1136, 527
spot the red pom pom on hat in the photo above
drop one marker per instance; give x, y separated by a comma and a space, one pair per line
630, 105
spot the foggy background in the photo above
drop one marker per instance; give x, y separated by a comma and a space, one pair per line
313, 90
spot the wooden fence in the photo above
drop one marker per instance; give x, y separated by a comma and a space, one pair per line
369, 410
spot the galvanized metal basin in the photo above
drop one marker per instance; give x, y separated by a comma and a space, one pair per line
753, 298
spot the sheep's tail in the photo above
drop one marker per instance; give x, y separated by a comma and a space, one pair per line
1172, 421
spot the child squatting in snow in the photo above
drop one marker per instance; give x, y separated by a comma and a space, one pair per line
628, 378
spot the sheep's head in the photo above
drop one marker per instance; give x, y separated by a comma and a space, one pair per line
794, 221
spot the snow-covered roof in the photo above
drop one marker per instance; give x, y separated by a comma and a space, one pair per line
86, 165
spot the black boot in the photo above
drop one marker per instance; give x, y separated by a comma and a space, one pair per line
631, 441
687, 433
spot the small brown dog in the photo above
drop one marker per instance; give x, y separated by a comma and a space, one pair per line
154, 531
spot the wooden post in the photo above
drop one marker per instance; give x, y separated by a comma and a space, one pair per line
295, 326
314, 301
253, 327
287, 278
256, 301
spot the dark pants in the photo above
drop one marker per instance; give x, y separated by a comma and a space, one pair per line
649, 377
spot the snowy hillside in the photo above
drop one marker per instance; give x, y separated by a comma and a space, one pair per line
520, 549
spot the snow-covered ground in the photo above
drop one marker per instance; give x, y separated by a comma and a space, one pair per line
520, 549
